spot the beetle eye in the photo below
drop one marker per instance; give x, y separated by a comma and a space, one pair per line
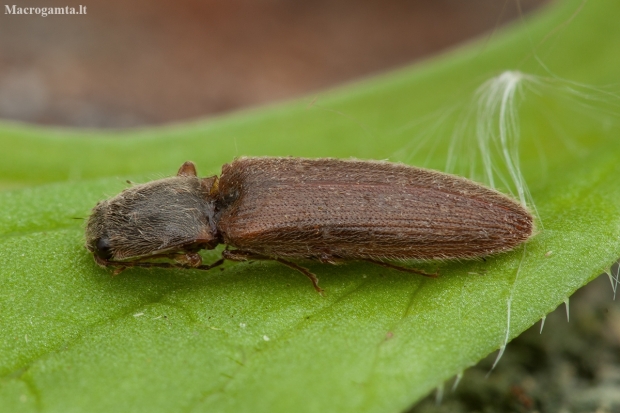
102, 248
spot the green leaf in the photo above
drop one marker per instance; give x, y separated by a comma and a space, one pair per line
256, 337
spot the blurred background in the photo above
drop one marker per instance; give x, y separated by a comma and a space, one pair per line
127, 64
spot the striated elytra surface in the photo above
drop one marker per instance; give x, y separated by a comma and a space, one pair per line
330, 209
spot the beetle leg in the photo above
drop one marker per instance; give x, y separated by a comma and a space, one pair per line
191, 259
170, 265
187, 260
304, 271
117, 271
403, 269
238, 255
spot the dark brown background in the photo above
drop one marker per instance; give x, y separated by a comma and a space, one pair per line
147, 62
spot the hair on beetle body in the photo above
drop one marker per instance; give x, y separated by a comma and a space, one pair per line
285, 209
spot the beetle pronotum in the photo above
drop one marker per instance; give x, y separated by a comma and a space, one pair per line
328, 210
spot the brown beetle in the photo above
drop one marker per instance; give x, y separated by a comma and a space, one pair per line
328, 210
